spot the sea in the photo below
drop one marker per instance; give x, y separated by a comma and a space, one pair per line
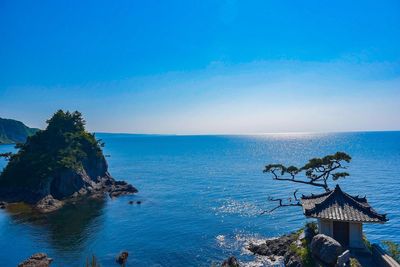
202, 199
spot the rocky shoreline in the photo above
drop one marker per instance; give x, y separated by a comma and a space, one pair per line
106, 186
292, 250
280, 249
298, 249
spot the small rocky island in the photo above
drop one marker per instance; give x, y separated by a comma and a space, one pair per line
64, 162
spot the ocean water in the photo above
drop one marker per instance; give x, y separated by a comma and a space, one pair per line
201, 199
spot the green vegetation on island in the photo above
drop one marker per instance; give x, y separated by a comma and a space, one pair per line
63, 145
13, 131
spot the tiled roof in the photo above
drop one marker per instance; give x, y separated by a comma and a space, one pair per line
337, 205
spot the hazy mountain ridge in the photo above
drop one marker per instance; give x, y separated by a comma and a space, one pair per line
13, 131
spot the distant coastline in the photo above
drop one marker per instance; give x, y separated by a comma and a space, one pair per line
13, 131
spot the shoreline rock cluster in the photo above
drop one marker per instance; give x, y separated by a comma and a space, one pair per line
105, 186
280, 247
293, 250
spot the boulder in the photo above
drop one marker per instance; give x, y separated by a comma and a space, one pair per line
230, 262
326, 249
37, 260
2, 205
48, 204
122, 257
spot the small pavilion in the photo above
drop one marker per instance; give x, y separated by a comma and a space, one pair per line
341, 216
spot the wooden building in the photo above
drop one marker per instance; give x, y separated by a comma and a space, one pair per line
341, 216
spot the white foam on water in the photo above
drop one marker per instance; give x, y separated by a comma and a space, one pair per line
241, 242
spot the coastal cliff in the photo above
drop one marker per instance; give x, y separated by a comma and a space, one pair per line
62, 162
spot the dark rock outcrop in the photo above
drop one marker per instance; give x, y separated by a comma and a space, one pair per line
48, 204
273, 247
122, 257
230, 262
119, 188
326, 249
37, 260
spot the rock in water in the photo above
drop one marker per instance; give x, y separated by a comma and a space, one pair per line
119, 188
37, 260
122, 257
48, 204
326, 249
230, 262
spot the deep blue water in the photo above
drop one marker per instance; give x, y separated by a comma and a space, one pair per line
201, 198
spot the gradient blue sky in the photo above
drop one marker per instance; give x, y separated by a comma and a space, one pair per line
196, 67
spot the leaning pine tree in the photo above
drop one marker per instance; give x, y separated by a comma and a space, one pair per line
317, 172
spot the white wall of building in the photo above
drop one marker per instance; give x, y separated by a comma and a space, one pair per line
355, 232
325, 227
356, 236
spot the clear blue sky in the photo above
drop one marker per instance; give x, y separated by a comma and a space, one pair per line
191, 67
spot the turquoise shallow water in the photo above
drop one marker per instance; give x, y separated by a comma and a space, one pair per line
201, 198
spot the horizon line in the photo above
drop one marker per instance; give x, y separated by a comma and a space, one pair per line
248, 134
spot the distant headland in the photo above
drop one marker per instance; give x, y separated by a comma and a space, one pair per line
13, 131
